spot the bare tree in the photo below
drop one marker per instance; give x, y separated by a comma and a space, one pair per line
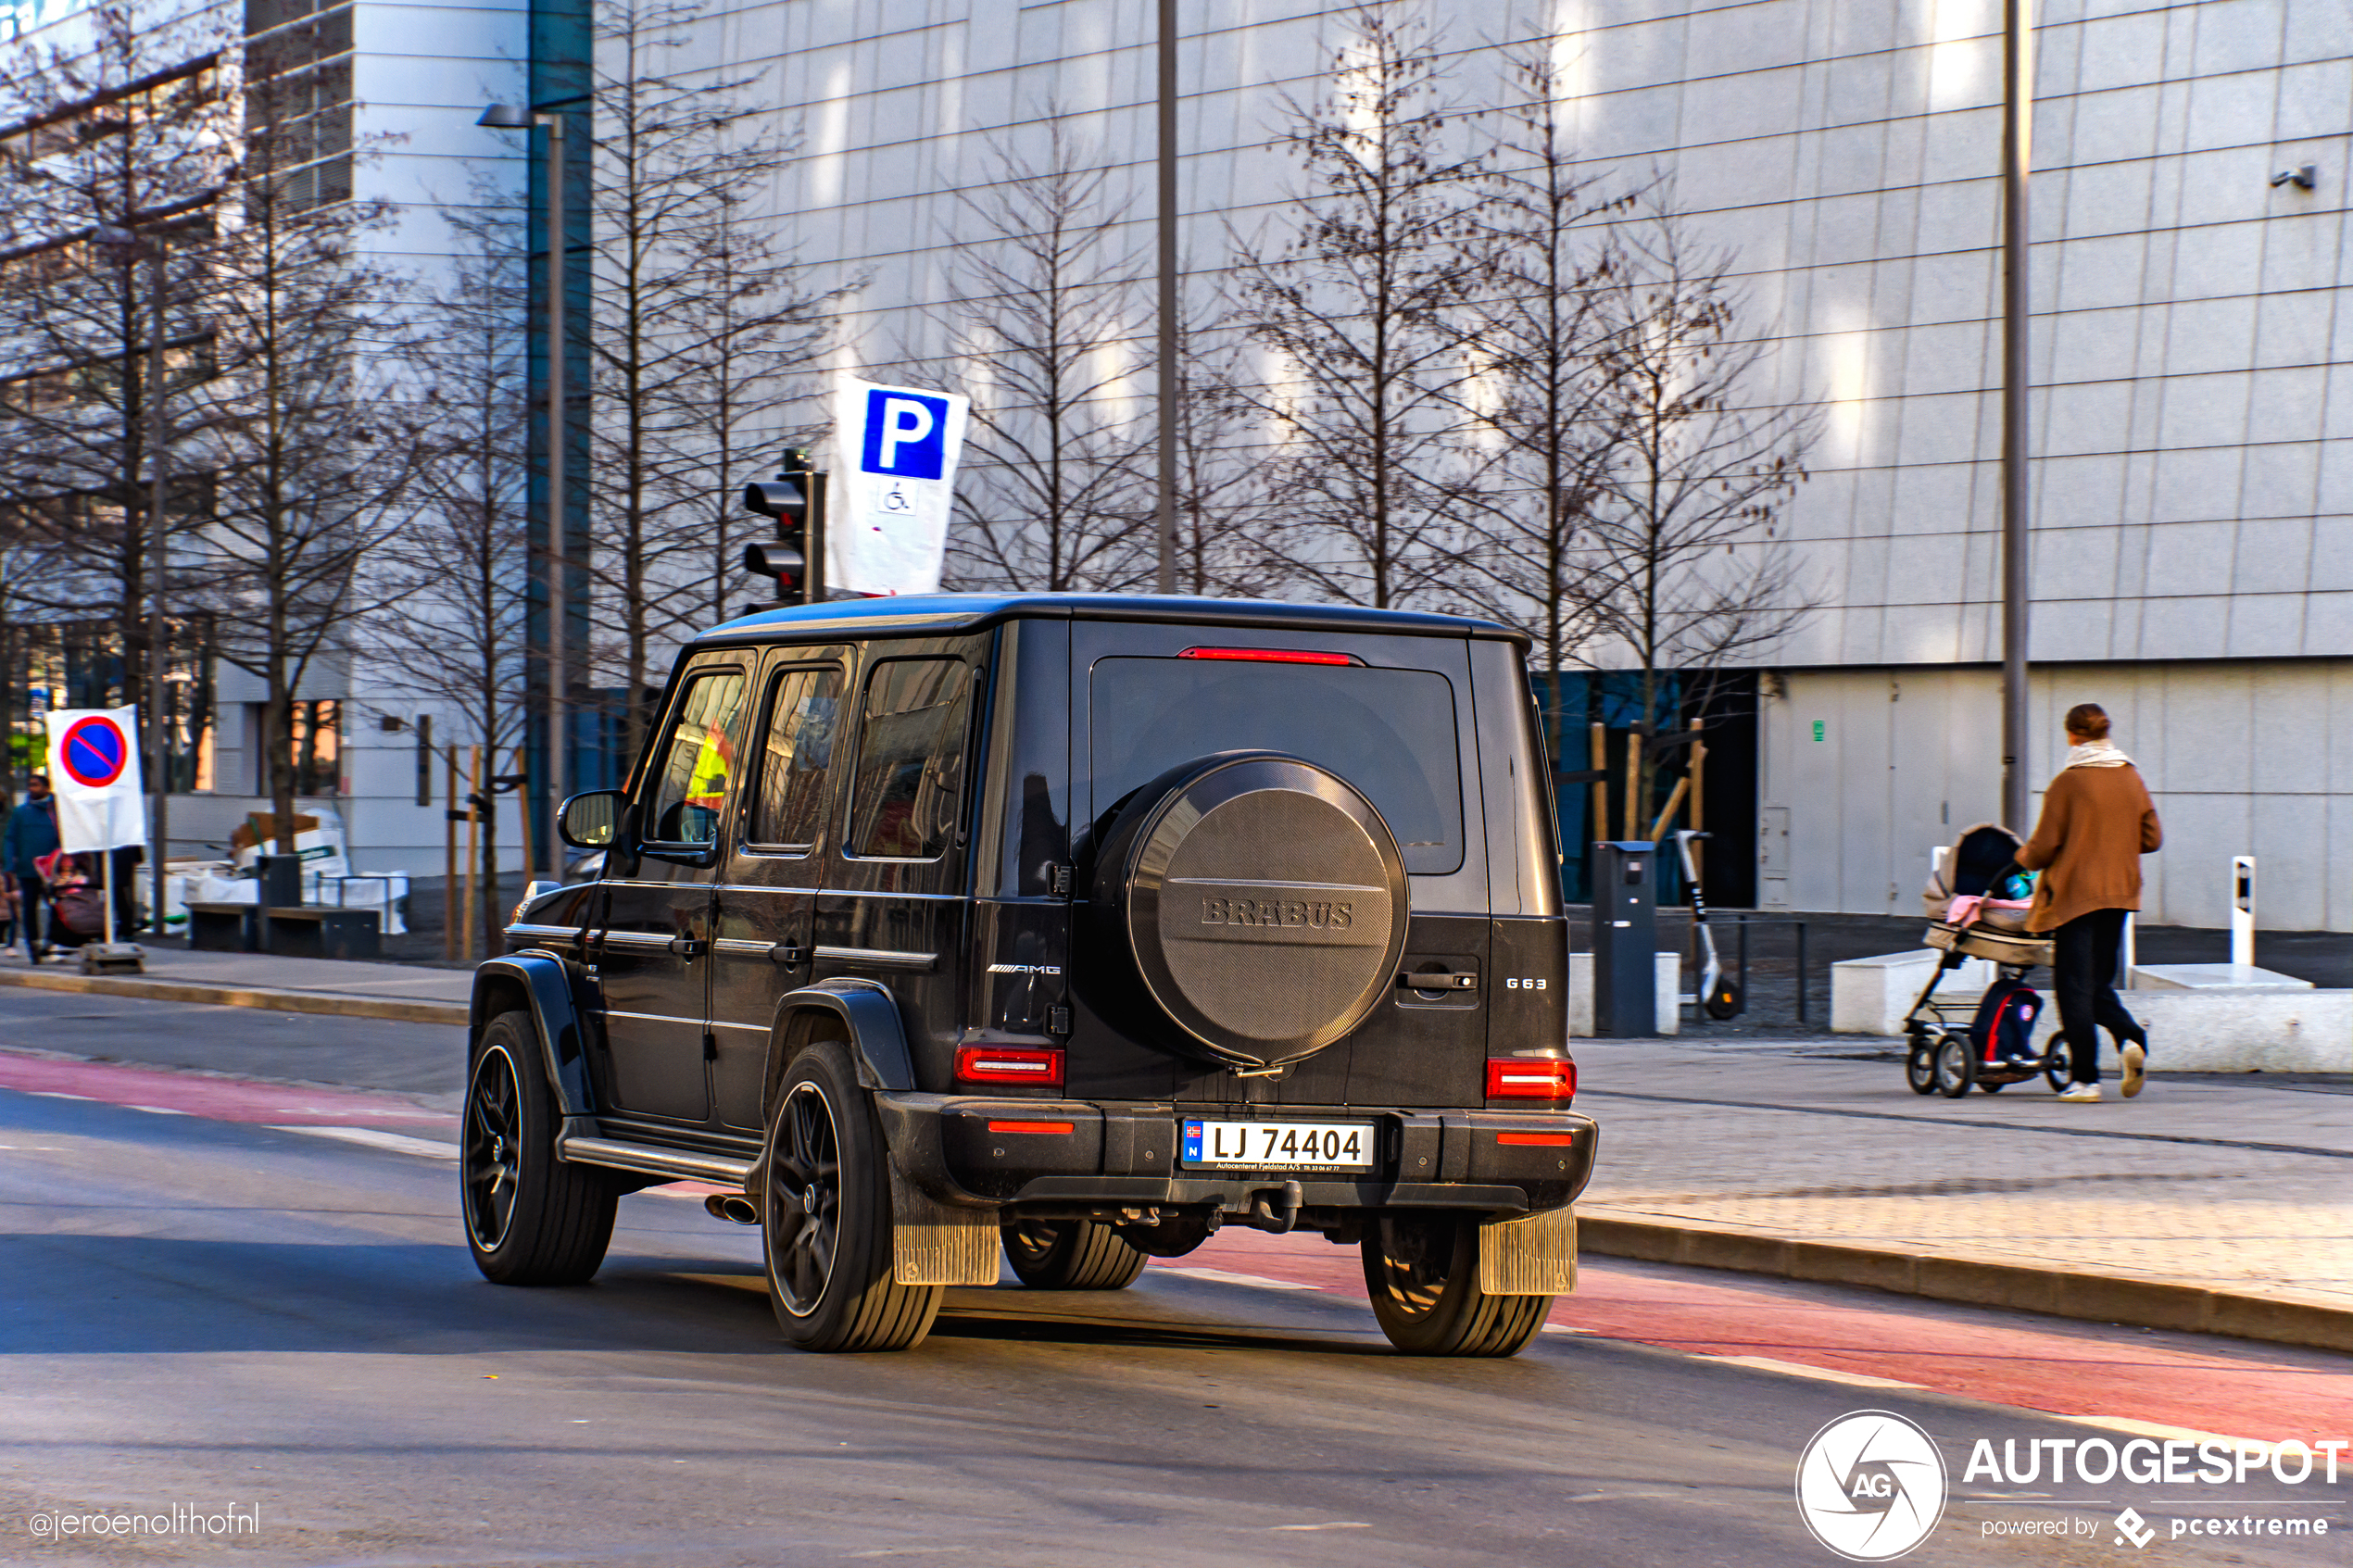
761, 326
1220, 491
1046, 331
1541, 330
1362, 313
107, 150
309, 443
1686, 565
463, 565
678, 152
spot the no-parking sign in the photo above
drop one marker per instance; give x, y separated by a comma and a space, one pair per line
94, 769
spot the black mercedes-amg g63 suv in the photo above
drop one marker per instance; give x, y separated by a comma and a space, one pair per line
1068, 926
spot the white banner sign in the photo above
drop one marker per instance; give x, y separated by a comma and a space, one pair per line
93, 769
893, 481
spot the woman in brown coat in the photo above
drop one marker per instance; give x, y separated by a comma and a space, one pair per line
2097, 823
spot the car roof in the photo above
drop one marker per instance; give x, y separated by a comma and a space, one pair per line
960, 613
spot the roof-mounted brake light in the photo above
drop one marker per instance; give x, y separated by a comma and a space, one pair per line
1271, 656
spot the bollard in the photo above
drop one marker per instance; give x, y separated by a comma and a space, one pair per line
2243, 910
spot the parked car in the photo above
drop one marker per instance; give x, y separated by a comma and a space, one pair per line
1074, 928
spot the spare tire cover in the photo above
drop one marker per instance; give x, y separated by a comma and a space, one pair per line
1265, 901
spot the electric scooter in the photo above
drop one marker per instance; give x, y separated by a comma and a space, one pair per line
1719, 994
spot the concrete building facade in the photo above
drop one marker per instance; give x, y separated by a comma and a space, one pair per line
2193, 330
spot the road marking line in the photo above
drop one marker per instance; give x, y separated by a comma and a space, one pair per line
1799, 1369
57, 1094
397, 1143
1220, 1276
159, 1111
1335, 1524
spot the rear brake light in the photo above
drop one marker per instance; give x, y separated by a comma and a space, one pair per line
1032, 1127
1004, 1064
1519, 1077
1541, 1140
1270, 656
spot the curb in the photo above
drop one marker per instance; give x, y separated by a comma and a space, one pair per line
334, 1004
2065, 1293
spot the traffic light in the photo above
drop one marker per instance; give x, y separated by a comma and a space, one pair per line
796, 499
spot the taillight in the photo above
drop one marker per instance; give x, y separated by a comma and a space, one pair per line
1269, 655
1008, 1064
1528, 1077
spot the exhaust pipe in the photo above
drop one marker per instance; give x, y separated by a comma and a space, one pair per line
731, 1206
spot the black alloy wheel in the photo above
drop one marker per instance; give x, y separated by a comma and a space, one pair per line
1070, 1255
531, 1218
493, 1151
825, 1214
1422, 1273
803, 1212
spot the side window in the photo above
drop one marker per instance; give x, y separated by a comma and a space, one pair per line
803, 718
911, 760
696, 760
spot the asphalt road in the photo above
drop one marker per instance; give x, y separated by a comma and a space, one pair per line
214, 1314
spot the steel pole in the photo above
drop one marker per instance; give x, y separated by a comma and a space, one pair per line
158, 729
2017, 154
559, 555
1168, 412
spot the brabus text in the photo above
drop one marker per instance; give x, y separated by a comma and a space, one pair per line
1275, 911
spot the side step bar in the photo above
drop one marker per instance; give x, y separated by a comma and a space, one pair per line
677, 1164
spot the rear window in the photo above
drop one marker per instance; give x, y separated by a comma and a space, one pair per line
1390, 733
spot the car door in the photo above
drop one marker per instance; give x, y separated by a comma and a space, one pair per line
894, 902
763, 906
653, 954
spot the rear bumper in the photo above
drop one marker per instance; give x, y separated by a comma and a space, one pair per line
976, 1151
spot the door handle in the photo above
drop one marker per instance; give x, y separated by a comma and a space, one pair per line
787, 953
1440, 980
690, 947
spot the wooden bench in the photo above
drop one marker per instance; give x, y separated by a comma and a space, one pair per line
224, 928
311, 931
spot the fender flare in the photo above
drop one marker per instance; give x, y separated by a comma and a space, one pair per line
546, 983
870, 1014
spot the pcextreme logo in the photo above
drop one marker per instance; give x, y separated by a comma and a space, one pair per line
1870, 1486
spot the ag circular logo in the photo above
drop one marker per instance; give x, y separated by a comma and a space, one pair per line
95, 752
1870, 1486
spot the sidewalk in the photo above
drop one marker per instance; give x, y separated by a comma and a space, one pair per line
404, 993
2209, 1202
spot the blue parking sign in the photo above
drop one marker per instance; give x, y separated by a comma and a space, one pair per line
906, 434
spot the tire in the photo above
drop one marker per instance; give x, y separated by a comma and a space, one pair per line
1070, 1255
2058, 1068
1920, 1067
825, 1217
1956, 1065
531, 1218
1422, 1273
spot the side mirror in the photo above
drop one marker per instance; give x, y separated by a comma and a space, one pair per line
591, 821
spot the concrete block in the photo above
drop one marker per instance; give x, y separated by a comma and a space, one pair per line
1669, 971
2213, 977
1871, 996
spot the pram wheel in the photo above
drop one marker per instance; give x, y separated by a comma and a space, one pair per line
2058, 1069
1956, 1065
1919, 1066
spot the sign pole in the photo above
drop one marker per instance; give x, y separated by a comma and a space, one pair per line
158, 635
2018, 159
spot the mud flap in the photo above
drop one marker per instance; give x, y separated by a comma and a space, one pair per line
1535, 1255
933, 1243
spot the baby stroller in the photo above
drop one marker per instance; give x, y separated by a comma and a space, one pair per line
1986, 1042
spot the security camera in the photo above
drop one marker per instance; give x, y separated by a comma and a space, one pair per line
2302, 176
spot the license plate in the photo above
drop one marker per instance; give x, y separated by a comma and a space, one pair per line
1280, 1145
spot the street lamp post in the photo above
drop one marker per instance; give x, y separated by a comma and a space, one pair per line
2018, 159
508, 116
1166, 578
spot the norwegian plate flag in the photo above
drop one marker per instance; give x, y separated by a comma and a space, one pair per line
94, 771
